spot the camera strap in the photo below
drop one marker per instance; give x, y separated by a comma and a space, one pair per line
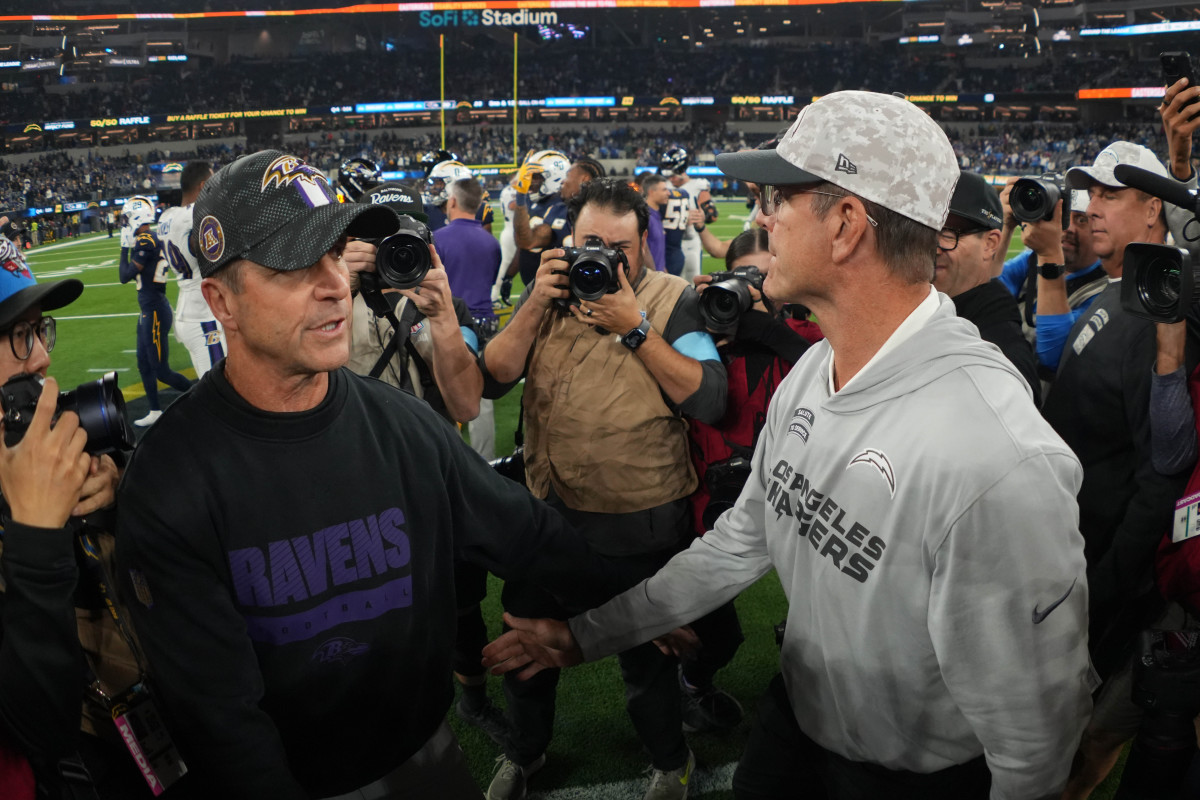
134, 711
400, 331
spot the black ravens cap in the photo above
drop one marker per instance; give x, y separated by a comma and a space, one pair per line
399, 197
275, 210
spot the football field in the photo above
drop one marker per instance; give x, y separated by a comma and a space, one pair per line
595, 753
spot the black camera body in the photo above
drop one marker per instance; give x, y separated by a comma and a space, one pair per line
728, 297
1033, 198
724, 481
1159, 282
402, 259
591, 271
99, 404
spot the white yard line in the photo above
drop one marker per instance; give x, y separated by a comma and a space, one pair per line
703, 781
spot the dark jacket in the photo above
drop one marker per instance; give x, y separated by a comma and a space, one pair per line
994, 311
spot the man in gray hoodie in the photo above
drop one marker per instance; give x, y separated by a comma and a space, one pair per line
918, 510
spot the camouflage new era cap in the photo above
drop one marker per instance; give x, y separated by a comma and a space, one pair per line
1116, 153
275, 210
878, 146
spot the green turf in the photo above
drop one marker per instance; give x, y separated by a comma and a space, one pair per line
594, 742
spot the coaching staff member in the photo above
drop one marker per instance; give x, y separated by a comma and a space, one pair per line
606, 388
918, 510
298, 609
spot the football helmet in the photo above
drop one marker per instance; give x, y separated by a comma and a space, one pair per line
440, 177
139, 211
554, 171
358, 176
435, 157
138, 204
674, 162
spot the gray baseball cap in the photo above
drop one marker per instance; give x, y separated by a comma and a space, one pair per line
275, 210
878, 146
1116, 153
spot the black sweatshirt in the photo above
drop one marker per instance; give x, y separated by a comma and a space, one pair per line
41, 662
1100, 405
291, 578
991, 309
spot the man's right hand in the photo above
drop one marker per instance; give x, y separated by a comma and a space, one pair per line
41, 476
534, 645
1044, 237
359, 256
524, 180
1180, 123
549, 285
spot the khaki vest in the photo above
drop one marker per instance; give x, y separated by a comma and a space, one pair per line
370, 335
596, 425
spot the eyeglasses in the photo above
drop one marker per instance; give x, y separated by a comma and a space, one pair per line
948, 238
773, 198
20, 336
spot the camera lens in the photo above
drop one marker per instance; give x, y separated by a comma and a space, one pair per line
1159, 285
590, 277
402, 260
723, 304
101, 409
1029, 201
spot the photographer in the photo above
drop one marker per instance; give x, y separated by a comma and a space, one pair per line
1100, 403
607, 383
53, 491
966, 247
757, 355
1047, 243
433, 357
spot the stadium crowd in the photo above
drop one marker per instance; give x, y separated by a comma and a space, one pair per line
322, 80
963, 468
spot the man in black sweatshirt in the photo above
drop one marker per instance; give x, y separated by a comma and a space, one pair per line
966, 247
297, 603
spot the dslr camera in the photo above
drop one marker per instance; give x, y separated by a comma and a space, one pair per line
728, 297
724, 481
1033, 199
99, 404
1166, 683
402, 259
1160, 282
591, 272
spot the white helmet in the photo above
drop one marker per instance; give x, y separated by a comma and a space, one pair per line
139, 208
440, 177
554, 172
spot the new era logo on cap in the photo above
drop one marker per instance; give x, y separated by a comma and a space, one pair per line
845, 165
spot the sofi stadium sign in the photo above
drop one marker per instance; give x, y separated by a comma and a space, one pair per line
452, 19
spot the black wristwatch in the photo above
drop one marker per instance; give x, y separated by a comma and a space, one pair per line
633, 340
1051, 272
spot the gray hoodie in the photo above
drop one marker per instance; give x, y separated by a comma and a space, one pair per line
924, 527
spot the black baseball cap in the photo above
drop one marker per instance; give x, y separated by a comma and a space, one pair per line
975, 200
20, 291
275, 210
398, 197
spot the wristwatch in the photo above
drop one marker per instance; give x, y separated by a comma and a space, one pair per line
1051, 271
633, 340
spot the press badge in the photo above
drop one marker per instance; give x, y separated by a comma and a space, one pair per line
1187, 518
142, 729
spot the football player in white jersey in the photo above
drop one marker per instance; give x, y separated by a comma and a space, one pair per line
508, 242
195, 326
674, 166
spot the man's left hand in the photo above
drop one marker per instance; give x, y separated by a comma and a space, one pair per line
1180, 123
359, 256
99, 488
617, 313
432, 297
